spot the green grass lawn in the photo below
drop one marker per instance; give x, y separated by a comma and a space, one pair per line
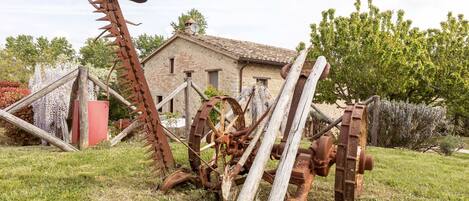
122, 173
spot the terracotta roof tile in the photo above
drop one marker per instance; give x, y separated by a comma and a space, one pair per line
246, 50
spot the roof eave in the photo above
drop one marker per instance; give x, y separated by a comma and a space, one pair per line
261, 61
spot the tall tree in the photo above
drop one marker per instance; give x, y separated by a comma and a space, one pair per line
22, 52
50, 51
97, 53
22, 48
13, 69
146, 44
371, 53
194, 14
449, 49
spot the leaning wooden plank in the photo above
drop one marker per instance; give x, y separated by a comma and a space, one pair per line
105, 87
254, 177
326, 118
33, 130
125, 132
199, 91
201, 94
228, 178
135, 124
284, 169
28, 100
64, 129
172, 95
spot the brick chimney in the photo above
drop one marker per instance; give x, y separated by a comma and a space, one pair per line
191, 27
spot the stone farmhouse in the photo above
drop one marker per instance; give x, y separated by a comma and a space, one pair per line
226, 64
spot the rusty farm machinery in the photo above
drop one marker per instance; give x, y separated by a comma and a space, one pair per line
238, 153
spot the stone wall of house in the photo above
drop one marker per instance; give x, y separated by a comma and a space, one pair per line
189, 56
271, 73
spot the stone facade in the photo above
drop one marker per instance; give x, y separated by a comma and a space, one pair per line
190, 57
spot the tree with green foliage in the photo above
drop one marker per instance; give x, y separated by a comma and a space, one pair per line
22, 48
50, 51
371, 53
22, 53
145, 44
97, 53
12, 69
179, 25
449, 50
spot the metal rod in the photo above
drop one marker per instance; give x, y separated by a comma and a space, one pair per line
338, 120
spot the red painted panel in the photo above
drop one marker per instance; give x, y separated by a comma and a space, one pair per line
98, 116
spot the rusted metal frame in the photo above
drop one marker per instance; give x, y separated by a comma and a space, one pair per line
197, 129
346, 154
198, 125
228, 114
338, 120
134, 75
294, 105
174, 136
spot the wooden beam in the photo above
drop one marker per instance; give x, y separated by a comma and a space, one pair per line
33, 130
254, 177
328, 119
135, 124
228, 179
112, 92
73, 97
201, 94
199, 91
375, 122
28, 100
187, 105
171, 95
83, 109
287, 160
64, 129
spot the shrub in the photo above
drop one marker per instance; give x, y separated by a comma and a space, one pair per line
9, 94
210, 92
408, 125
449, 144
4, 84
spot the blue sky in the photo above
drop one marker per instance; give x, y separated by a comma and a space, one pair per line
279, 23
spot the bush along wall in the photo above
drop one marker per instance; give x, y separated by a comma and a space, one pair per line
411, 126
10, 92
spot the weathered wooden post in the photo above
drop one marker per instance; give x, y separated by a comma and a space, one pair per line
187, 105
249, 190
83, 109
375, 121
284, 169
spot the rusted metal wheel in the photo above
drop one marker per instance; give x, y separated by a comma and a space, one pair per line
224, 140
351, 160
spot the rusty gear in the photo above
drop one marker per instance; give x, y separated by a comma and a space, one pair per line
350, 153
